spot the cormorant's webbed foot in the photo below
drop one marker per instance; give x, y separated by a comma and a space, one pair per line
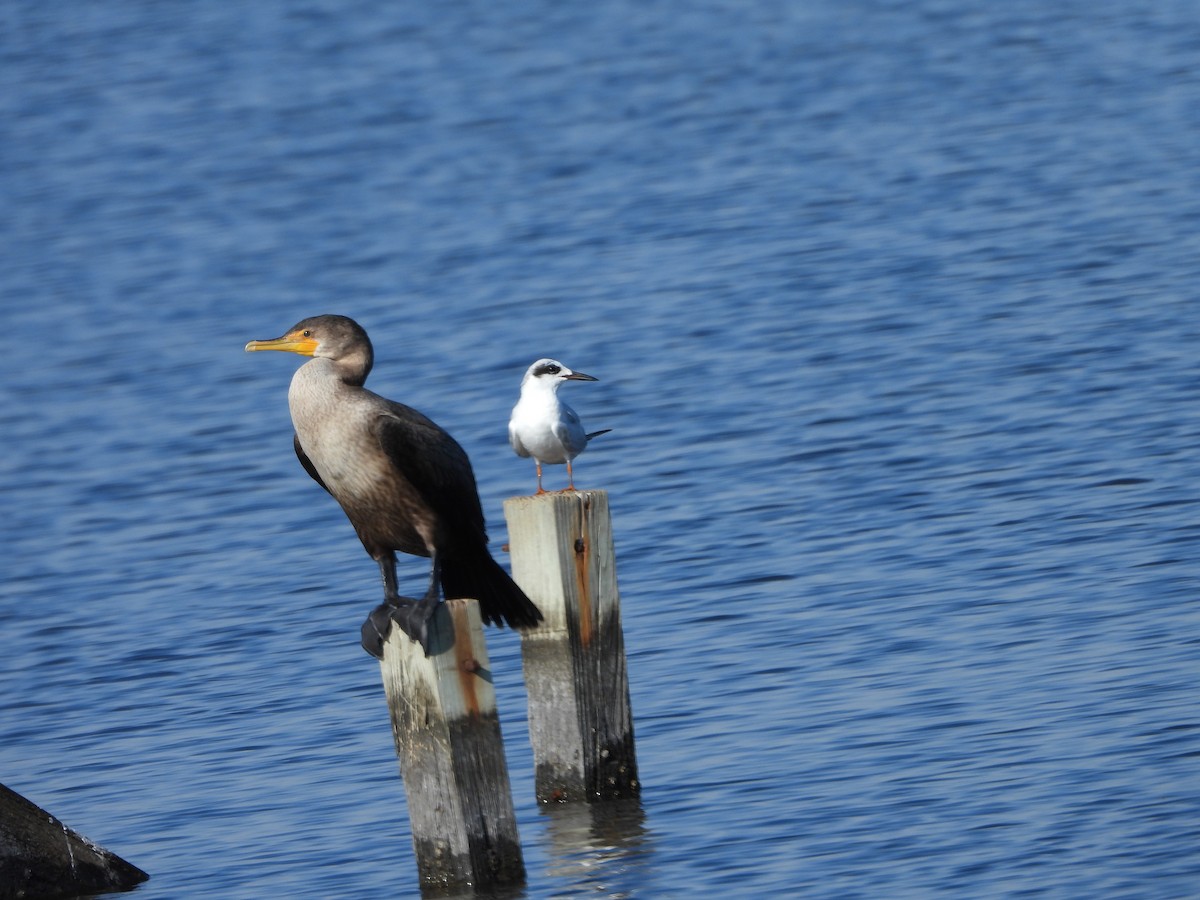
411, 615
413, 618
375, 630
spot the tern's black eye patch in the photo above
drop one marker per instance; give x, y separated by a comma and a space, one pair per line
550, 369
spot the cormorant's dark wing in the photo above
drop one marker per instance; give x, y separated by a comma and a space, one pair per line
306, 462
436, 465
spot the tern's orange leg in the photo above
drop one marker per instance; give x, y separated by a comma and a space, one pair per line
538, 463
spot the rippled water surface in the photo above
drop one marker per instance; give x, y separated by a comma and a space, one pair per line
894, 310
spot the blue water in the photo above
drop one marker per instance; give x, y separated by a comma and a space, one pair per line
894, 310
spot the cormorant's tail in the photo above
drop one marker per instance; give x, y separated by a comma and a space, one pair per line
479, 576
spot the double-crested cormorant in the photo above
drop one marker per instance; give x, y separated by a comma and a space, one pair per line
404, 483
544, 427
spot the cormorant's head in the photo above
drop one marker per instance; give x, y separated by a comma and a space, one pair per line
551, 373
327, 337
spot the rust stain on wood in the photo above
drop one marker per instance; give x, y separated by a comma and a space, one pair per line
466, 663
582, 581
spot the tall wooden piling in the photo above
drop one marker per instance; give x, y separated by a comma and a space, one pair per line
580, 722
447, 733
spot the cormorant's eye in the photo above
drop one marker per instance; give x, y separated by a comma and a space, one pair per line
308, 334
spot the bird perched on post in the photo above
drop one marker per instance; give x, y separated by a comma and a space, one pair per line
544, 427
404, 483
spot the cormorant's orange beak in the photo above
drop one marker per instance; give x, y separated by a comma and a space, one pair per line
295, 342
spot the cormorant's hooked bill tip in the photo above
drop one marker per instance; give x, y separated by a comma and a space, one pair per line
291, 343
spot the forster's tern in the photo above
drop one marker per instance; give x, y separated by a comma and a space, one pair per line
544, 427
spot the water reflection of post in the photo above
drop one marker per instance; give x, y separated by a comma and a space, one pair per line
597, 842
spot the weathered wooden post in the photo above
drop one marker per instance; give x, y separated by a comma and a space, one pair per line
580, 723
447, 733
42, 857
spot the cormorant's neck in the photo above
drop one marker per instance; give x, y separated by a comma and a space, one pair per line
355, 366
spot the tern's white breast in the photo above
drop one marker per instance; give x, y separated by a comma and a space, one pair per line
547, 427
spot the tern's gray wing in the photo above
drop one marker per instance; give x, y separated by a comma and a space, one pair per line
569, 430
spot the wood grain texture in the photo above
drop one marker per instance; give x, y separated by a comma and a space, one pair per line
580, 720
448, 740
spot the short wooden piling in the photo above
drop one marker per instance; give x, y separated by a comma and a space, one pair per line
42, 857
447, 733
580, 722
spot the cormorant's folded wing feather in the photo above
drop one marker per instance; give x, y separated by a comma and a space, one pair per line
307, 463
435, 465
